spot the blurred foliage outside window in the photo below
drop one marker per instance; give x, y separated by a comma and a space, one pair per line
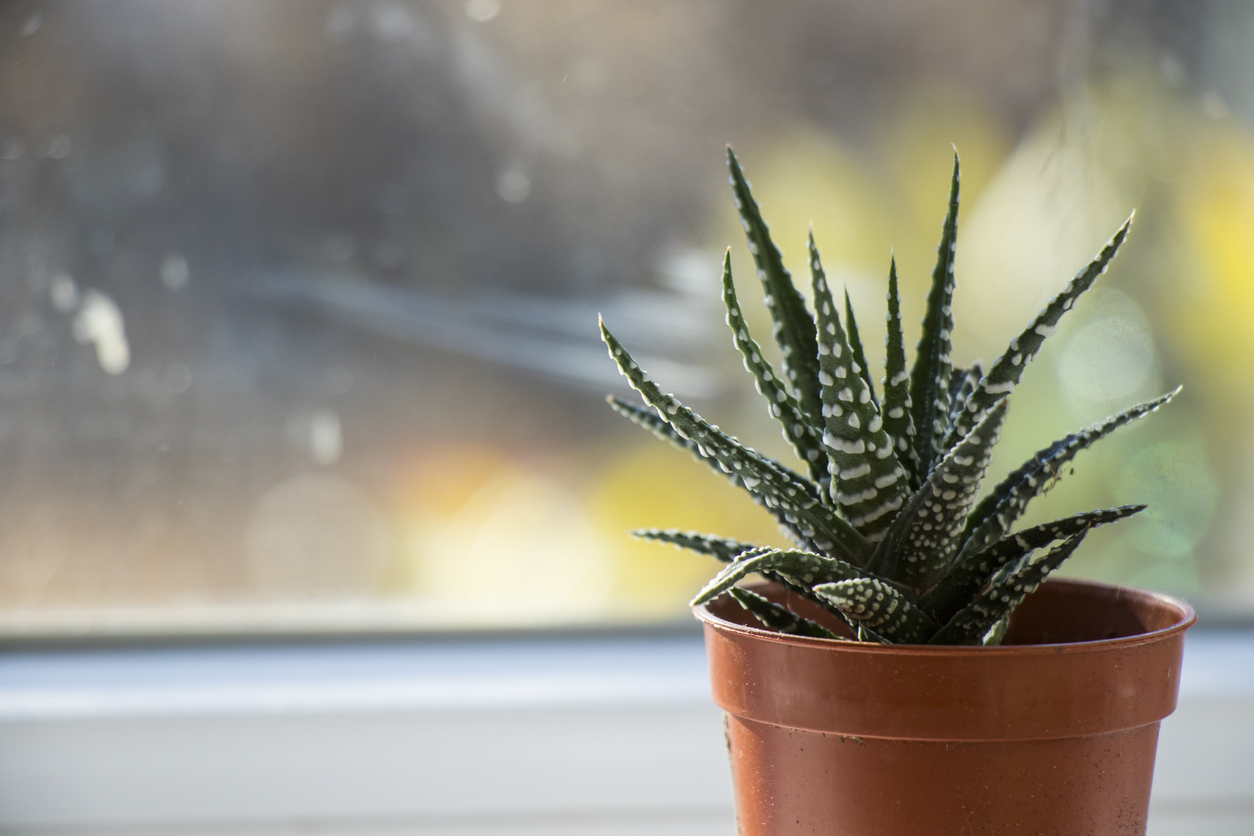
298, 299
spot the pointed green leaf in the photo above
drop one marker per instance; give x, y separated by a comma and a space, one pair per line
996, 633
805, 440
867, 482
962, 383
794, 327
898, 422
1006, 592
969, 574
993, 516
855, 344
792, 498
881, 608
1007, 371
929, 378
924, 540
649, 420
720, 548
798, 568
778, 618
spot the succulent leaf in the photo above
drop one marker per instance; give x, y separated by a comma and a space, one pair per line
924, 539
720, 548
995, 513
898, 422
962, 383
867, 482
881, 608
797, 430
778, 618
855, 344
968, 576
794, 327
1007, 371
802, 569
792, 498
1004, 593
929, 377
649, 420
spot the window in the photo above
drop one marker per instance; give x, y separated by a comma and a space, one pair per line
300, 298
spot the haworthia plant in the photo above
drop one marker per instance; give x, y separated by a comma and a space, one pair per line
891, 542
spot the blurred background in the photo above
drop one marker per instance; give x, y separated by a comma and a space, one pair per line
298, 300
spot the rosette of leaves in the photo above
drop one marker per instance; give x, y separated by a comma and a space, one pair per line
883, 509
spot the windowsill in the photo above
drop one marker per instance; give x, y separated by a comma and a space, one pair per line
601, 735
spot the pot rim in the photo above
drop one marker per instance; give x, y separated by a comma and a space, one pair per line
1188, 619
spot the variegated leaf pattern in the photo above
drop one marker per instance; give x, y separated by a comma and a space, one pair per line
1004, 593
855, 344
881, 608
898, 422
778, 618
1007, 371
929, 378
723, 549
924, 539
968, 576
993, 516
649, 420
794, 327
962, 383
801, 569
792, 497
797, 431
867, 482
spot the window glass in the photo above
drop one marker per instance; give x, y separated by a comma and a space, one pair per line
298, 300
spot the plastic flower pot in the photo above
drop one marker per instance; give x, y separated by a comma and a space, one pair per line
1052, 733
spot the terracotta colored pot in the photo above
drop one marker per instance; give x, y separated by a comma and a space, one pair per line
1051, 734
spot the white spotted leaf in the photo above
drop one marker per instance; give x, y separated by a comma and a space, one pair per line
867, 483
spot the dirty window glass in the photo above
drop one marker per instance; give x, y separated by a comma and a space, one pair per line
298, 300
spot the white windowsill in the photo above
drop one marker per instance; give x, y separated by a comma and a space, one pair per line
557, 736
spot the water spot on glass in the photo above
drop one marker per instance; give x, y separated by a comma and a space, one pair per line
99, 322
317, 536
1177, 482
388, 255
340, 21
481, 11
31, 25
14, 148
395, 23
1172, 70
325, 436
339, 381
340, 246
513, 185
58, 147
177, 378
63, 292
175, 273
1214, 106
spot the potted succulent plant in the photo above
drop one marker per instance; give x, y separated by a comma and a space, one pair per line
907, 669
